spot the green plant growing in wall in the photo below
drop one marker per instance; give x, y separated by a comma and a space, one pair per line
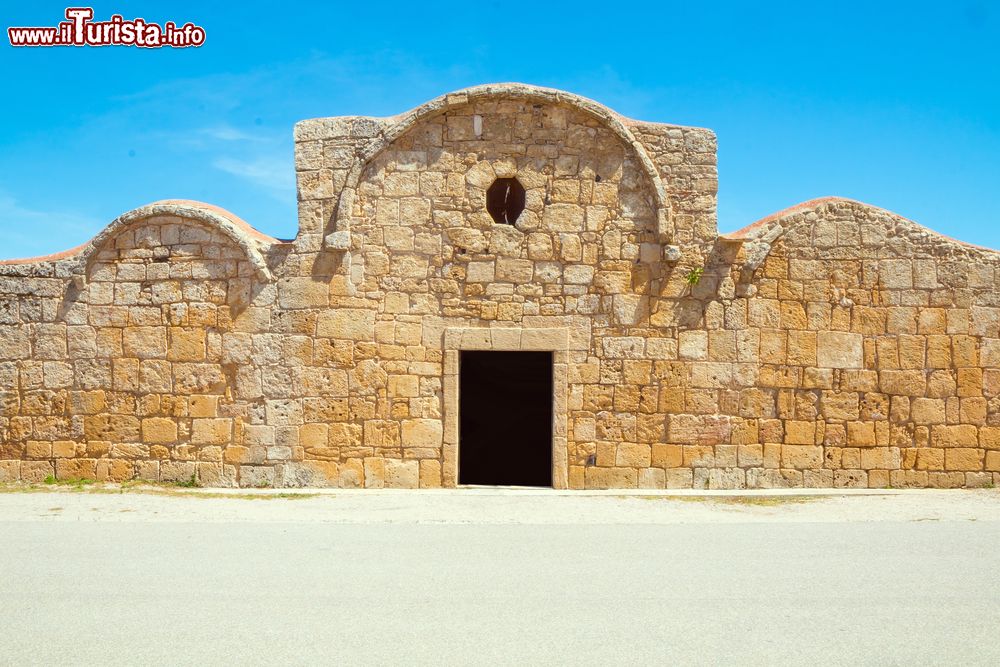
693, 276
188, 483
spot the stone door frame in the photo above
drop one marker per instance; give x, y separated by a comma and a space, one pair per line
507, 339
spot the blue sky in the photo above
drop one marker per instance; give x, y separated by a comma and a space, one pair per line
895, 104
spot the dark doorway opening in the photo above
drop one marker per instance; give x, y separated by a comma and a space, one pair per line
505, 418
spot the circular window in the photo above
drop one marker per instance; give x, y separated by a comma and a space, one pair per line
505, 200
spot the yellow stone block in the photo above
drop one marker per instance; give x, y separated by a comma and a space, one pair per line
314, 435
932, 321
88, 402
963, 458
347, 323
39, 449
211, 431
403, 386
878, 479
750, 456
861, 434
970, 382
799, 432
159, 430
958, 435
186, 344
113, 470
374, 472
203, 406
801, 457
430, 474
610, 478
64, 449
144, 342
802, 348
422, 433
236, 454
345, 435
929, 458
633, 455
667, 456
71, 469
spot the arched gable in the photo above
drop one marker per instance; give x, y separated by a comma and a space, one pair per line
77, 260
815, 222
397, 126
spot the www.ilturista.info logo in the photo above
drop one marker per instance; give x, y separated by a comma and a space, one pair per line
80, 30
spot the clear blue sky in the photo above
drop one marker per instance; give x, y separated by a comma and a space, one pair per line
895, 104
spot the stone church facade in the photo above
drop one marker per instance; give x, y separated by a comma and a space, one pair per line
571, 256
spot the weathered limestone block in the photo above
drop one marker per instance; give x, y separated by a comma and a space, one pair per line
348, 323
959, 435
402, 474
963, 458
835, 349
211, 431
159, 430
610, 478
422, 433
692, 345
563, 218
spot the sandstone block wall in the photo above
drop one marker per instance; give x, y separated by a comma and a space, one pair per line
834, 344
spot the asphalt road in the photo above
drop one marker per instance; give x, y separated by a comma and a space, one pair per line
131, 580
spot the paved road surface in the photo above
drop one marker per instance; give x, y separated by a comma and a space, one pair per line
487, 577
